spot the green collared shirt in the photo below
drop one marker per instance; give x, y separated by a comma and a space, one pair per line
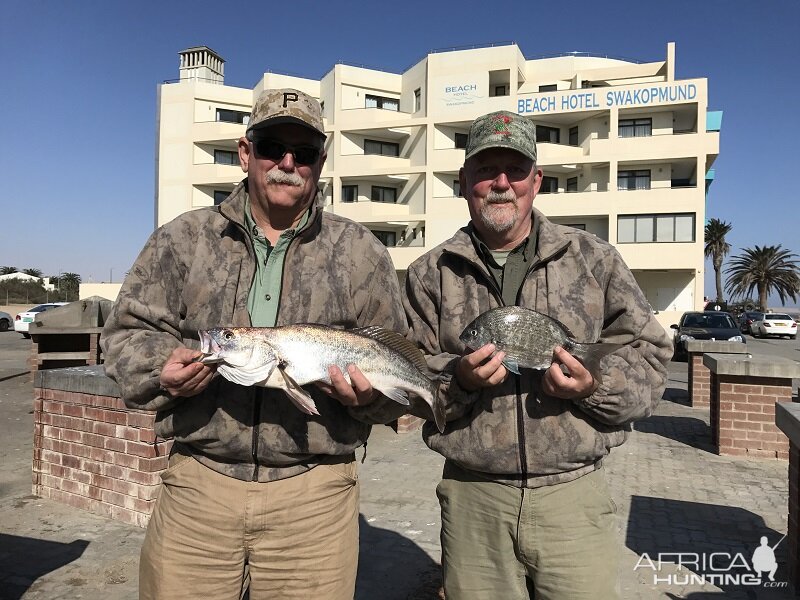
507, 267
265, 293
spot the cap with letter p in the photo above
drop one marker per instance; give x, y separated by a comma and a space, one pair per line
502, 129
287, 105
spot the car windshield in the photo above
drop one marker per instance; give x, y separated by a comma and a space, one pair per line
40, 308
711, 321
777, 317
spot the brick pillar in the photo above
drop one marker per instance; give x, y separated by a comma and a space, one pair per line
408, 423
92, 452
746, 418
699, 375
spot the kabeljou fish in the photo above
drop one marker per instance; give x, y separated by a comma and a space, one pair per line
529, 338
292, 356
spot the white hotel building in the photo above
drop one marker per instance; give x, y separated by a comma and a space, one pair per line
626, 150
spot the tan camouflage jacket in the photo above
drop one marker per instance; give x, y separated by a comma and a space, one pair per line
195, 273
513, 432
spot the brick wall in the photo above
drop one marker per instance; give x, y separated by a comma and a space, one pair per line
92, 452
743, 415
408, 423
699, 381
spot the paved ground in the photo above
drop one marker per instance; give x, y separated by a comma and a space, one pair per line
673, 494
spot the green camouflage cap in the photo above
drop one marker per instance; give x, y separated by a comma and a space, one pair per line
286, 105
502, 129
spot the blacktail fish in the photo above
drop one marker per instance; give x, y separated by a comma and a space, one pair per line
291, 356
529, 338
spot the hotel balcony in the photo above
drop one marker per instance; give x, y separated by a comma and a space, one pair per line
217, 132
212, 174
657, 146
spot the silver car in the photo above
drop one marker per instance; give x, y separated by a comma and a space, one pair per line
5, 321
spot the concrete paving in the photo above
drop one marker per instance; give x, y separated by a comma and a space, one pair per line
674, 495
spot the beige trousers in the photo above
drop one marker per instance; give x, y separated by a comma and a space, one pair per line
504, 542
294, 538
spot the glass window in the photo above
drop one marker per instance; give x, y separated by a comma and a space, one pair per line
684, 228
227, 115
219, 196
349, 193
500, 90
373, 101
381, 148
226, 157
644, 229
383, 194
635, 128
549, 185
387, 238
580, 226
572, 184
548, 134
461, 140
633, 180
573, 136
665, 228
655, 228
456, 188
551, 87
626, 230
417, 99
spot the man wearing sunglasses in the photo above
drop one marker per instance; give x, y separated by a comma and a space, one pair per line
256, 491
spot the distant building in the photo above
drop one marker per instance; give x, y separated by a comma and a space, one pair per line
25, 277
626, 150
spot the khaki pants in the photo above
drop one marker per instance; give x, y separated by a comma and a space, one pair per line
503, 542
297, 537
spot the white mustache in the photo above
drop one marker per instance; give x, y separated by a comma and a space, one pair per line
278, 176
498, 198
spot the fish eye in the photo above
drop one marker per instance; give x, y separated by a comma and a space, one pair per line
228, 335
474, 332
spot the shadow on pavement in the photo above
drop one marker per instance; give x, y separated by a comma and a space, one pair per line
392, 567
23, 560
686, 430
657, 526
676, 395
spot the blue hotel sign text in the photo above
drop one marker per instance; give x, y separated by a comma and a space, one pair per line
595, 99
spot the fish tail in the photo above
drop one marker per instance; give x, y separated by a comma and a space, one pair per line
437, 404
591, 356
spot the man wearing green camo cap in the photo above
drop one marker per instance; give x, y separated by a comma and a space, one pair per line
526, 511
257, 494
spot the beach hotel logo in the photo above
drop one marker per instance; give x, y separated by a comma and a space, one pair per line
715, 568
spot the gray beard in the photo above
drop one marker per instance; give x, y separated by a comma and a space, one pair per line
495, 214
278, 176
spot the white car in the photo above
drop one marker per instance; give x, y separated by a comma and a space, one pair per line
777, 324
24, 319
5, 321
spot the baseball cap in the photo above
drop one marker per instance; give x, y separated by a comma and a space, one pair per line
286, 105
502, 129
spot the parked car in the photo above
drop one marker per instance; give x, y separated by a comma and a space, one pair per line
775, 324
707, 325
5, 321
24, 319
746, 320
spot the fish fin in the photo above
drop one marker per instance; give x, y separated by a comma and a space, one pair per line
511, 365
591, 355
246, 375
299, 397
396, 342
396, 394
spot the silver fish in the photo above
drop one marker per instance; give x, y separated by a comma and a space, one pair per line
289, 357
529, 338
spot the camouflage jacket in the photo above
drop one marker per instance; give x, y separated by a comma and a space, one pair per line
195, 273
513, 432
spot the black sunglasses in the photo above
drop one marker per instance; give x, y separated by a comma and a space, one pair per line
275, 151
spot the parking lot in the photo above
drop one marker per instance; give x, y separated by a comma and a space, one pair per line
673, 493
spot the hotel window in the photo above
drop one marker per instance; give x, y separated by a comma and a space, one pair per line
349, 193
642, 229
219, 196
417, 99
387, 238
551, 87
633, 180
548, 134
635, 128
226, 157
572, 184
501, 90
381, 148
383, 194
549, 185
227, 115
456, 188
461, 140
573, 136
382, 102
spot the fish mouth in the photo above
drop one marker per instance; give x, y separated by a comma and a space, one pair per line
209, 348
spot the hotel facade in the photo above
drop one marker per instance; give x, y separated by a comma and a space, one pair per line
626, 150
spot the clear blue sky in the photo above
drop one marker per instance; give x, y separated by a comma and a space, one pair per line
79, 79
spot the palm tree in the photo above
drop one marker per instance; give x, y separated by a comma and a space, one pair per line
33, 272
764, 269
7, 270
69, 282
717, 248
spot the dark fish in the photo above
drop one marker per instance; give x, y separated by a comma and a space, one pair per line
292, 356
529, 338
